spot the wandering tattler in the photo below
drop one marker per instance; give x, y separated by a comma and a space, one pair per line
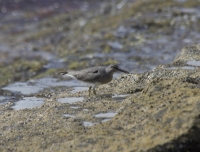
95, 75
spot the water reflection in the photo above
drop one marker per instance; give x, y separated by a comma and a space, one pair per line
105, 120
28, 102
120, 97
88, 124
105, 115
193, 63
68, 115
74, 107
34, 86
70, 100
78, 89
4, 100
182, 67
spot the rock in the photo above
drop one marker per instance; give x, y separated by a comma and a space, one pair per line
188, 53
160, 113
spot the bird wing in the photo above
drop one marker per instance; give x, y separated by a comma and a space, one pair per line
90, 74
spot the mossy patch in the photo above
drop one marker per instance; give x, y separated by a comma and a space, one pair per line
19, 70
76, 65
49, 72
110, 61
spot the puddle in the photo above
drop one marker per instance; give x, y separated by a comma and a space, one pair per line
70, 100
122, 31
105, 120
34, 86
115, 45
28, 102
68, 115
193, 63
120, 97
183, 67
85, 109
22, 88
88, 124
106, 115
74, 107
77, 89
4, 100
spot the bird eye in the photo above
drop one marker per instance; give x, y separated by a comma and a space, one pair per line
95, 71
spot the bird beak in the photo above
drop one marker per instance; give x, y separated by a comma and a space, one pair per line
122, 70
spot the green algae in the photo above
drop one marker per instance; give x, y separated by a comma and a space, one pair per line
47, 73
110, 61
76, 65
153, 116
19, 70
138, 125
63, 34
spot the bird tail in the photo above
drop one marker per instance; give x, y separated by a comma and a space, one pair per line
66, 74
63, 73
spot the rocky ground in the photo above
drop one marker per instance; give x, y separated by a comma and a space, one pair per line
157, 110
143, 34
160, 113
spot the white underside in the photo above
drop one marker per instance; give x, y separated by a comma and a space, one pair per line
94, 85
69, 76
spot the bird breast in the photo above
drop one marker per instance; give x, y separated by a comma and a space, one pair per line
106, 78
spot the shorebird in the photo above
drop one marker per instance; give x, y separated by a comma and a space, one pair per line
94, 75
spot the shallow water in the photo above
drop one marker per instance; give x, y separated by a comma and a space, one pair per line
105, 115
86, 109
144, 51
74, 107
70, 100
136, 44
136, 49
68, 115
88, 124
4, 99
182, 67
105, 120
34, 86
28, 102
120, 97
193, 63
77, 89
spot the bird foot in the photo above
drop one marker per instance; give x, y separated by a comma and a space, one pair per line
94, 92
89, 90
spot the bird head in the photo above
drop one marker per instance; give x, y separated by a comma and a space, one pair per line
114, 68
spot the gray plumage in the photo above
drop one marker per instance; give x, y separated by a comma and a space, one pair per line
94, 75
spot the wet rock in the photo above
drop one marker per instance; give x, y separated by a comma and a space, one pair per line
161, 109
153, 111
115, 45
188, 53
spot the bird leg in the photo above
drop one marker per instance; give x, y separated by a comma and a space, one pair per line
90, 90
94, 91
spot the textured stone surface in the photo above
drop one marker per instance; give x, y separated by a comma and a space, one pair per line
189, 53
161, 113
